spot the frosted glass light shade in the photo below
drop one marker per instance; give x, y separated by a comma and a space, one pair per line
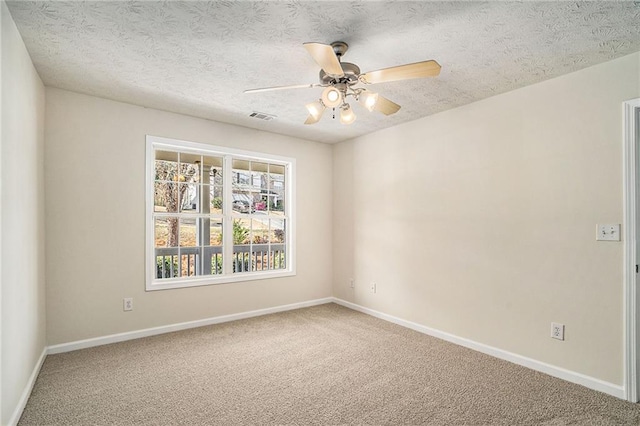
368, 100
315, 112
331, 97
346, 115
315, 108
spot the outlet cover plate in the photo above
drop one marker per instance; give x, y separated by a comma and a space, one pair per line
608, 232
557, 331
127, 304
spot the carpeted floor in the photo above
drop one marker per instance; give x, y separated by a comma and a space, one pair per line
324, 365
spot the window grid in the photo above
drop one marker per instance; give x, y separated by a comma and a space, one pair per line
229, 222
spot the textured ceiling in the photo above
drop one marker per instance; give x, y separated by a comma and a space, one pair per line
197, 58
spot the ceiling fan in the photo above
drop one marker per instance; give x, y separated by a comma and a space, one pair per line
340, 79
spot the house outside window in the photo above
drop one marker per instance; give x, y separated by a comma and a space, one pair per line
216, 215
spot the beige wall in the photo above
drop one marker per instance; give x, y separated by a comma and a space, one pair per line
480, 221
95, 186
22, 224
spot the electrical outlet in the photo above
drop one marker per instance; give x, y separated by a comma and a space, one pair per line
557, 331
127, 304
609, 232
373, 287
352, 283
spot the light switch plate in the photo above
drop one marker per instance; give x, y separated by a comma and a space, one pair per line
609, 232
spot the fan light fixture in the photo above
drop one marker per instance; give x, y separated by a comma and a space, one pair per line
315, 110
341, 79
368, 100
346, 115
331, 97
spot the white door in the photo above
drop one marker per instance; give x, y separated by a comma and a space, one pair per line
631, 232
636, 133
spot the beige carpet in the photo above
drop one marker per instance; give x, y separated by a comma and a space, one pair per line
323, 365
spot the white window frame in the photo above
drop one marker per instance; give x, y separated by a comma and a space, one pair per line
154, 143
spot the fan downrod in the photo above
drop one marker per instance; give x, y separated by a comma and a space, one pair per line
340, 48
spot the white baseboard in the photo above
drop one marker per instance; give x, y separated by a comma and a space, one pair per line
561, 373
130, 335
22, 402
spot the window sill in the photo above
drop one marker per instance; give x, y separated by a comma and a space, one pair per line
172, 283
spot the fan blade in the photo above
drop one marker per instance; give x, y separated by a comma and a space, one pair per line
295, 86
386, 106
324, 56
402, 72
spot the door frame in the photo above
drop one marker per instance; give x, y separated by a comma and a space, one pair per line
631, 186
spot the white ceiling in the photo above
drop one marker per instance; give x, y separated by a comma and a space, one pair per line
196, 58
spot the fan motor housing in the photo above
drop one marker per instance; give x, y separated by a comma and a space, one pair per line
350, 77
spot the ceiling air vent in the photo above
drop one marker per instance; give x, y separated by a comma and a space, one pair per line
262, 116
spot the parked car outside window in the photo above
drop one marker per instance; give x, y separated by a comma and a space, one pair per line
242, 206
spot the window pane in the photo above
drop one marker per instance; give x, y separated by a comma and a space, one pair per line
241, 231
189, 168
276, 203
189, 199
240, 165
275, 196
260, 244
241, 174
243, 203
216, 199
166, 232
212, 252
276, 177
216, 262
259, 181
241, 245
188, 262
241, 188
165, 197
187, 232
241, 259
257, 166
215, 232
260, 257
167, 156
277, 231
190, 164
204, 205
210, 238
278, 258
166, 266
259, 175
260, 231
212, 169
277, 246
166, 165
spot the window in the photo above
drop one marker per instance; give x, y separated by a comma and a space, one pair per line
216, 215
